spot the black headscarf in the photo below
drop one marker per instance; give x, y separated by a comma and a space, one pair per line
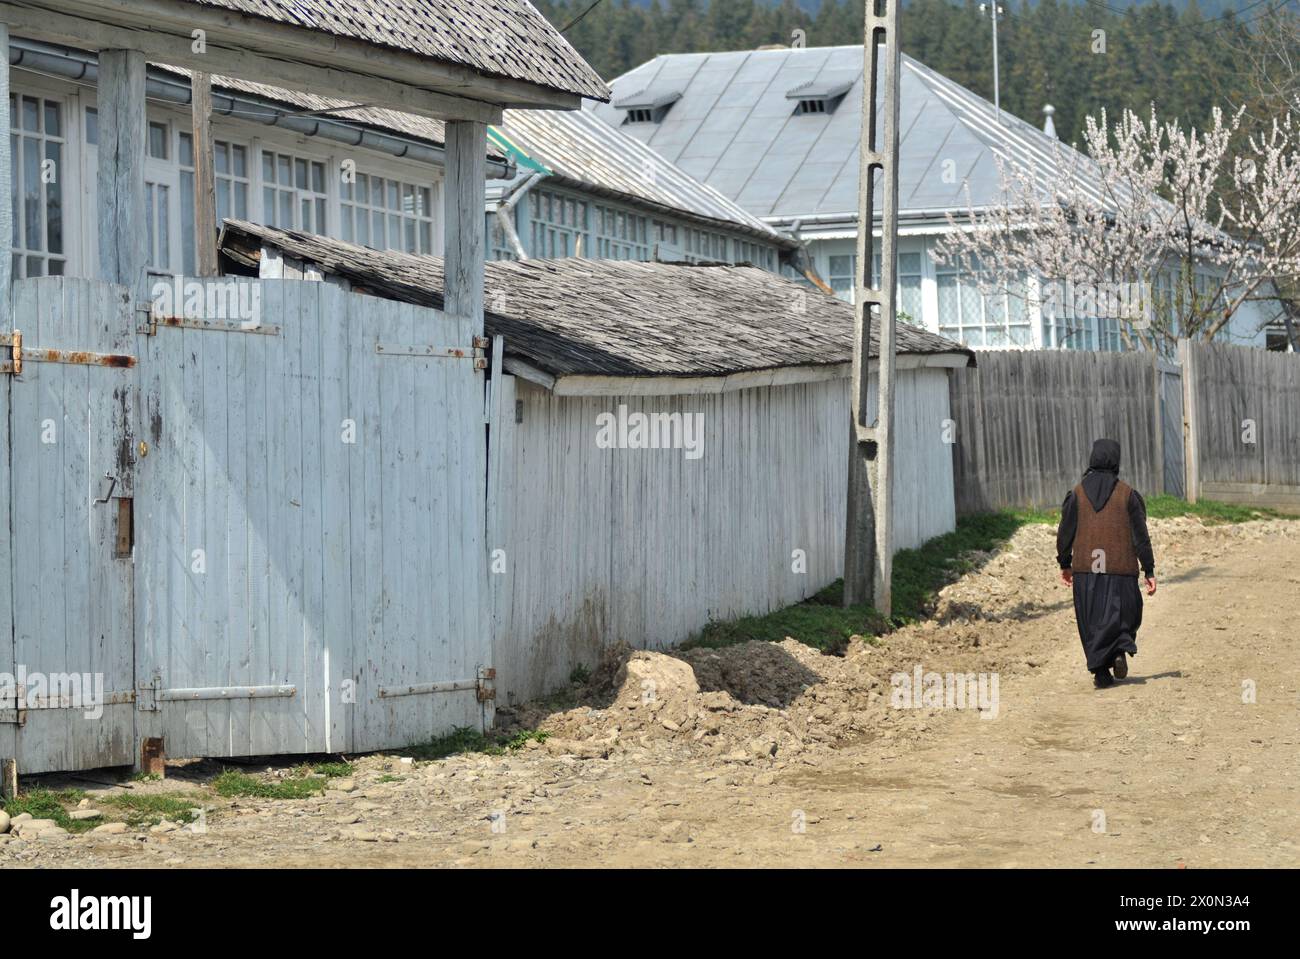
1103, 472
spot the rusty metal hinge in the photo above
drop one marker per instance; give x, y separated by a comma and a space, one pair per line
13, 365
487, 689
150, 325
18, 354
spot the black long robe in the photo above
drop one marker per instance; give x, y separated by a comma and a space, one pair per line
1107, 606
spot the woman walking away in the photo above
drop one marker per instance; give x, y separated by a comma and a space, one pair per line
1100, 543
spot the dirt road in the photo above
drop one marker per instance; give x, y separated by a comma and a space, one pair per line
784, 757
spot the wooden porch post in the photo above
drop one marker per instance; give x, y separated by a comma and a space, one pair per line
123, 230
464, 220
6, 185
205, 187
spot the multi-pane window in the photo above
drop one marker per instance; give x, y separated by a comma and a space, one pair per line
665, 233
753, 253
1065, 325
557, 223
840, 275
387, 214
703, 245
37, 141
232, 182
909, 282
499, 245
293, 193
621, 235
999, 318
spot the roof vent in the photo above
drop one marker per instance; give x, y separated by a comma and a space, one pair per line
820, 96
648, 105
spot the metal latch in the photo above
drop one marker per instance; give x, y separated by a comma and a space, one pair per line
146, 695
486, 689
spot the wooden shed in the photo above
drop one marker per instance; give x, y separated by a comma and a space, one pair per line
730, 500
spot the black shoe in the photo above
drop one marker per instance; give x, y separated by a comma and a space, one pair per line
1121, 666
1102, 679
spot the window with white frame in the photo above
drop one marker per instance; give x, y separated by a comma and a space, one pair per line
38, 143
386, 214
999, 318
232, 181
294, 193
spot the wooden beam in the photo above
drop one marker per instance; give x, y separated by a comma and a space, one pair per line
464, 221
205, 184
6, 176
123, 230
232, 41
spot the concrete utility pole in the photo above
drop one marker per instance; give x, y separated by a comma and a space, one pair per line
995, 11
868, 546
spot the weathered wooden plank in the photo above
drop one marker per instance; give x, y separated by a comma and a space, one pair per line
123, 234
205, 189
463, 221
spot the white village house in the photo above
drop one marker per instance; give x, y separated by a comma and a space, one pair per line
777, 130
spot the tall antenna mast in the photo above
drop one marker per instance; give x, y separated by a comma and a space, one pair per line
995, 11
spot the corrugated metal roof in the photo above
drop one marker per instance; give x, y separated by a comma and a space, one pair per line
613, 317
736, 129
576, 147
505, 38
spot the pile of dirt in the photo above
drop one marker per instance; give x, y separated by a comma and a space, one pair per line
755, 702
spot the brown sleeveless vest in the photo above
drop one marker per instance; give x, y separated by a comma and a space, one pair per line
1108, 531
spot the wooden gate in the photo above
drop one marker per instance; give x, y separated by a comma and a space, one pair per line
312, 504
256, 514
66, 488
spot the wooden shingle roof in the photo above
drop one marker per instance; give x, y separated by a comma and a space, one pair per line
579, 317
505, 38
